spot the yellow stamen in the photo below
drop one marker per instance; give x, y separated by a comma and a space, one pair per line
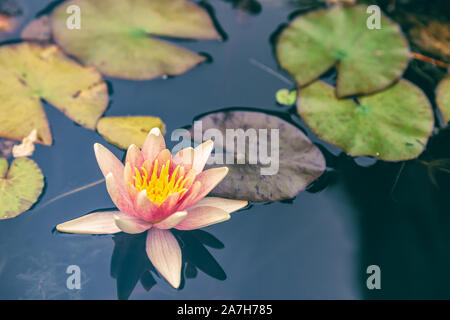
160, 187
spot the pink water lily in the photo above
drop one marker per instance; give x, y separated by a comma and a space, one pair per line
156, 192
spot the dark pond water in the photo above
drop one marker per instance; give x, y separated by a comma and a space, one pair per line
316, 246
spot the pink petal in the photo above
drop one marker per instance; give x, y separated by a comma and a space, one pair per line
167, 207
120, 197
145, 209
128, 173
172, 220
229, 205
153, 144
190, 196
108, 162
201, 155
200, 217
94, 223
165, 254
131, 225
184, 158
208, 180
134, 157
162, 158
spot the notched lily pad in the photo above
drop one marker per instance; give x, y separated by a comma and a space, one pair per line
366, 60
443, 98
124, 131
120, 38
391, 125
30, 72
20, 186
284, 166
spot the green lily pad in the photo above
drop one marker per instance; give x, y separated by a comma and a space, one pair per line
20, 186
297, 165
124, 131
366, 60
391, 125
120, 38
443, 98
286, 97
31, 72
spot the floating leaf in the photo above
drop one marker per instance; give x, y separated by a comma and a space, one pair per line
443, 98
366, 60
38, 29
20, 186
286, 97
31, 72
124, 131
392, 125
120, 38
294, 160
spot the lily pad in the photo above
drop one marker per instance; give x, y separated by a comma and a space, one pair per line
366, 60
123, 38
20, 186
392, 125
293, 161
31, 72
443, 98
285, 97
124, 131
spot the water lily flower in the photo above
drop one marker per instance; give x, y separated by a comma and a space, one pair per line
156, 192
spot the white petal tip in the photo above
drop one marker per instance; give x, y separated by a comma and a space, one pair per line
155, 131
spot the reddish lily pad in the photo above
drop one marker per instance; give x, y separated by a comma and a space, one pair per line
120, 38
391, 125
30, 72
443, 98
366, 60
20, 186
298, 163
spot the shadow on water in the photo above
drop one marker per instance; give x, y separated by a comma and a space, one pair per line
403, 221
130, 264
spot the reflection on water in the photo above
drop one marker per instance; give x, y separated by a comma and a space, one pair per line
130, 264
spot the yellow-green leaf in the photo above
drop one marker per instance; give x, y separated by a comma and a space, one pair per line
120, 38
30, 72
20, 186
443, 98
124, 131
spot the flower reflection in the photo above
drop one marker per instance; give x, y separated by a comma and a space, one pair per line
130, 265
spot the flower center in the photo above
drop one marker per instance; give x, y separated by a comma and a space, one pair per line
159, 188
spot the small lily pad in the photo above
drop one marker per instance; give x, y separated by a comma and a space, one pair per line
20, 186
30, 72
120, 38
443, 98
292, 161
391, 125
124, 131
366, 60
285, 97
